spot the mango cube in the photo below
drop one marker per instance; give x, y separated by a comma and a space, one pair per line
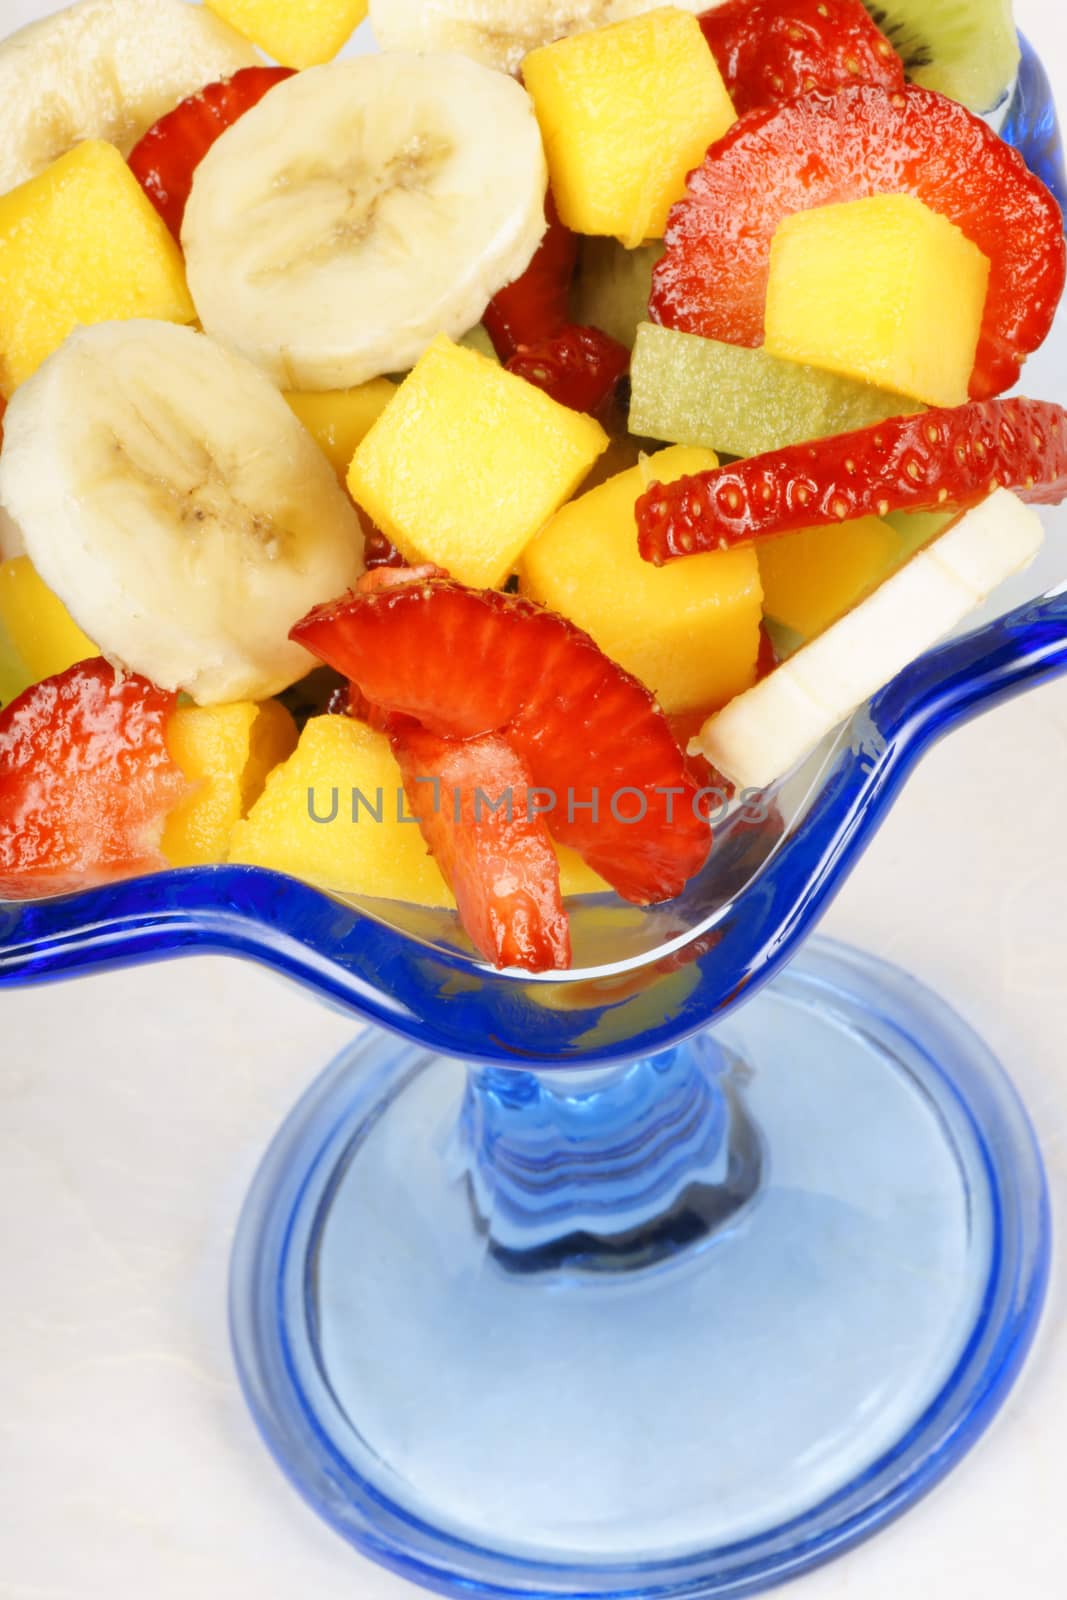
467, 462
626, 112
690, 631
330, 815
38, 635
812, 578
297, 33
227, 753
340, 419
882, 289
575, 877
81, 243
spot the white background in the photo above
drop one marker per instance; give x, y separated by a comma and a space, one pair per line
134, 1109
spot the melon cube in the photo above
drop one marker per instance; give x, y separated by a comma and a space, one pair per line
690, 631
38, 636
626, 112
226, 752
467, 462
297, 33
81, 243
330, 815
882, 289
813, 577
340, 419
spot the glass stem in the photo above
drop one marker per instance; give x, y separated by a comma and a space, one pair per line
611, 1169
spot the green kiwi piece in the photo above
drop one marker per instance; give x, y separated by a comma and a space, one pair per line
612, 286
916, 528
695, 391
477, 338
966, 49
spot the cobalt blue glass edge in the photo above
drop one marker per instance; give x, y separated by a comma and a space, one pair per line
379, 972
278, 1266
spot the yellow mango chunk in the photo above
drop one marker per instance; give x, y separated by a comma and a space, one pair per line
340, 419
690, 630
227, 752
38, 635
812, 578
297, 33
386, 859
626, 112
336, 761
575, 878
468, 461
882, 289
81, 243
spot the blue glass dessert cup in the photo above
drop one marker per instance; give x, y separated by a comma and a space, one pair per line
675, 1274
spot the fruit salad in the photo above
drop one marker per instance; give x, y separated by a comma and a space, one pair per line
450, 474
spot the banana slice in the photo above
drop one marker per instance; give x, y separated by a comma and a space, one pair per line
168, 495
361, 209
499, 32
104, 69
761, 735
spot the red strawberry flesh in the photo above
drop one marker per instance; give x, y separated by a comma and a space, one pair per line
534, 307
942, 460
472, 798
577, 366
167, 157
827, 149
86, 781
770, 51
466, 663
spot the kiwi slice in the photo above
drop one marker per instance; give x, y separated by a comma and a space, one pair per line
477, 338
967, 49
612, 286
917, 528
696, 391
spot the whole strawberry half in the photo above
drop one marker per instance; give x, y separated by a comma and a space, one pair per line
771, 51
168, 155
827, 149
534, 306
465, 663
86, 781
577, 366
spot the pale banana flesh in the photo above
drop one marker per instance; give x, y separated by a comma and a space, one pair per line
105, 69
168, 495
499, 32
765, 732
361, 209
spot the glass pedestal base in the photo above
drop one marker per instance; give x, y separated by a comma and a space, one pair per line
705, 1417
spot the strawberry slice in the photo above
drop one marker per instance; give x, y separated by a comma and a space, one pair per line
478, 817
86, 780
579, 367
535, 306
466, 663
825, 149
168, 155
378, 549
770, 51
940, 461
